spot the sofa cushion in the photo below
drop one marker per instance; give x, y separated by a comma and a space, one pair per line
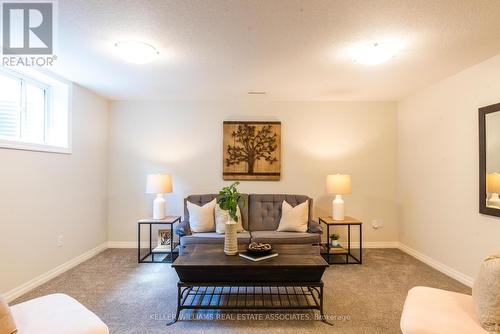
265, 210
293, 219
204, 199
56, 314
222, 217
7, 324
486, 293
202, 218
429, 311
275, 237
212, 238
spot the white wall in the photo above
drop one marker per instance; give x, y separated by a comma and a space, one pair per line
438, 169
44, 195
432, 141
318, 138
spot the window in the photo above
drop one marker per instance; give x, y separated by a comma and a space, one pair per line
34, 112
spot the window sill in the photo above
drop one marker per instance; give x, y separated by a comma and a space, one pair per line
19, 145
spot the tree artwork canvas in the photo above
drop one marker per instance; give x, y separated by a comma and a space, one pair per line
252, 150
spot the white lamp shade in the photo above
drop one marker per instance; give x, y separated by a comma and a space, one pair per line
159, 184
338, 184
493, 183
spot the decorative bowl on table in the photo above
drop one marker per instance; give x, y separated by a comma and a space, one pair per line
258, 248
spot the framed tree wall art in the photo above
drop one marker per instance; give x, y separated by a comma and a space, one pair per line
252, 150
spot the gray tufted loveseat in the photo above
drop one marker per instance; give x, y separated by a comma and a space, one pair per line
260, 218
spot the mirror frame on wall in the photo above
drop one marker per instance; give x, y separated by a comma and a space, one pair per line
482, 160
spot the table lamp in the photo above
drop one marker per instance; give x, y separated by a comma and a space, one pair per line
493, 187
159, 184
338, 184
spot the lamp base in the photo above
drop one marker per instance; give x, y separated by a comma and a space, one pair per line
338, 208
494, 201
159, 207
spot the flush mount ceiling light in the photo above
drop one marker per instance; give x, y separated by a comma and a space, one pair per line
374, 53
136, 52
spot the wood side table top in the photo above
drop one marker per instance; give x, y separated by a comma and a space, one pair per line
347, 221
166, 220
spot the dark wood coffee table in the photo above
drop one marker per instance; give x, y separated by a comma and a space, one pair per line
209, 279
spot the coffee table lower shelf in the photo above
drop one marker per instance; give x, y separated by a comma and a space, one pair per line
250, 296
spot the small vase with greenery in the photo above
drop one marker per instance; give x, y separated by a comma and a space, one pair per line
228, 200
335, 239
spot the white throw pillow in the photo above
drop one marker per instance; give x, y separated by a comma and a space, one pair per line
201, 218
222, 216
294, 219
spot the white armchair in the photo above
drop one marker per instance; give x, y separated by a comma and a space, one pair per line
56, 314
433, 311
429, 310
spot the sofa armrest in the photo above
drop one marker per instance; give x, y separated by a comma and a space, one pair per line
315, 227
183, 229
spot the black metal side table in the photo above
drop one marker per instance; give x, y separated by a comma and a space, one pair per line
169, 251
329, 252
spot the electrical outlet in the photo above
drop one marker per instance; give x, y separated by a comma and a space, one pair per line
60, 241
377, 223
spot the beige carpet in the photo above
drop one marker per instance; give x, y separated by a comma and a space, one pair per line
140, 298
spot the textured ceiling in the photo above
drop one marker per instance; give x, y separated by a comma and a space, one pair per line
294, 50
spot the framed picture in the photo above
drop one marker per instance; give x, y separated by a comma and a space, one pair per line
252, 150
163, 240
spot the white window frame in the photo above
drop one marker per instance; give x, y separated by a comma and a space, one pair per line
39, 78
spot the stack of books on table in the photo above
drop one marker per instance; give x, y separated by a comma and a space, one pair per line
253, 257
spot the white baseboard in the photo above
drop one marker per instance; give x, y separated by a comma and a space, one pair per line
372, 244
462, 278
379, 244
39, 280
122, 244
